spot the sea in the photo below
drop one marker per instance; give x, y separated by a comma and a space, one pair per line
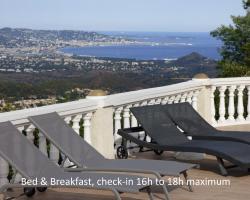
154, 46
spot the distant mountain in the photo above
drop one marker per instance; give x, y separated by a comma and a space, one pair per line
192, 60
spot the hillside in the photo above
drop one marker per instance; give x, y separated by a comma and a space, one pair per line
194, 59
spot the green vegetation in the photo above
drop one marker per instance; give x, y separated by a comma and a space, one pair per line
236, 49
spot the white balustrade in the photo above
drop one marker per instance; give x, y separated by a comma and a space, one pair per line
119, 104
144, 103
117, 119
21, 129
183, 97
126, 117
134, 122
195, 99
158, 101
30, 133
171, 100
212, 105
248, 103
76, 126
151, 102
222, 110
164, 100
240, 108
231, 109
67, 119
177, 98
189, 97
87, 127
126, 121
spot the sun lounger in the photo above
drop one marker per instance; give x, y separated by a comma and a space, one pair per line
31, 164
84, 155
167, 137
186, 117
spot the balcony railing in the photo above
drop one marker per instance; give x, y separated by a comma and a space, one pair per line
222, 102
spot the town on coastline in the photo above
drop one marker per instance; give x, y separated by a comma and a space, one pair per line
31, 60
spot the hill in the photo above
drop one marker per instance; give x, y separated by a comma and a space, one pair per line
193, 60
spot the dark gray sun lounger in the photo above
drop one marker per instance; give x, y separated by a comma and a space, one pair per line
186, 117
31, 163
167, 137
84, 155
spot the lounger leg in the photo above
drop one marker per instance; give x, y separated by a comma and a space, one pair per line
222, 166
186, 179
150, 194
116, 194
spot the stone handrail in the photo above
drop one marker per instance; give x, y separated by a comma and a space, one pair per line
220, 101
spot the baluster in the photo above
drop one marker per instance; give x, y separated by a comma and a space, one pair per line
222, 109
76, 120
189, 97
183, 97
213, 88
240, 107
134, 122
177, 98
4, 171
144, 103
248, 103
67, 120
117, 119
126, 116
126, 122
30, 133
231, 109
21, 129
151, 102
158, 101
87, 127
164, 101
194, 99
171, 99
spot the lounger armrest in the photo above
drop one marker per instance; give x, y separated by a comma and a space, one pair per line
130, 130
155, 173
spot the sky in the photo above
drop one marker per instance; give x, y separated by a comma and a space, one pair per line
119, 15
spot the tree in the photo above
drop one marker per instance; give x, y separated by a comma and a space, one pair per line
235, 51
246, 4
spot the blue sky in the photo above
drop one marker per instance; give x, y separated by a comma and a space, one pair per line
119, 15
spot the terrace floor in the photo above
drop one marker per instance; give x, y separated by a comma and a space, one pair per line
238, 189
